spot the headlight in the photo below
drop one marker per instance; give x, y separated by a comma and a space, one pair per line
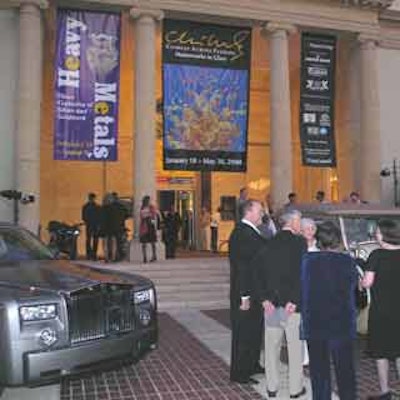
144, 296
38, 313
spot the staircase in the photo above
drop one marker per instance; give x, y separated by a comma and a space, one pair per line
200, 283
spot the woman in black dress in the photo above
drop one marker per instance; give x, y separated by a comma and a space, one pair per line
148, 228
383, 276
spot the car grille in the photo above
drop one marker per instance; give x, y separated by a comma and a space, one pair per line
100, 311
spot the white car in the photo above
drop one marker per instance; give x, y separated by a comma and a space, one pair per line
357, 224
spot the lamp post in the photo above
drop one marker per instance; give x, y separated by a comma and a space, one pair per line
392, 172
17, 197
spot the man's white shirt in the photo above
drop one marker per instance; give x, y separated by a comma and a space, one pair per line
247, 222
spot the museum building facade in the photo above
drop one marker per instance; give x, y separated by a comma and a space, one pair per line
367, 93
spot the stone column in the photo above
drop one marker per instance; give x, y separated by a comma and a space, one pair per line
29, 110
145, 115
280, 113
145, 105
354, 114
370, 155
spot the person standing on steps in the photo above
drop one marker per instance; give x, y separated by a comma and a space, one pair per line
148, 228
91, 216
215, 220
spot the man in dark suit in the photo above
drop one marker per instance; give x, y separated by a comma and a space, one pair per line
279, 282
246, 311
91, 218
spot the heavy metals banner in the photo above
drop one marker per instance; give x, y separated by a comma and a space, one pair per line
317, 97
206, 73
86, 86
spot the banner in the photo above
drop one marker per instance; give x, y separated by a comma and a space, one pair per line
206, 74
86, 86
317, 96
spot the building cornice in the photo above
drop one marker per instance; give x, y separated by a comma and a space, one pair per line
390, 16
327, 15
356, 16
376, 4
389, 21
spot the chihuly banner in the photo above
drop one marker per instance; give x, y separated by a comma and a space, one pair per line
205, 96
86, 86
317, 97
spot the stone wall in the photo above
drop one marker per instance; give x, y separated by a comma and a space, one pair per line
389, 89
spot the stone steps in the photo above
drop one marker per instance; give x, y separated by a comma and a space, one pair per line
198, 286
200, 283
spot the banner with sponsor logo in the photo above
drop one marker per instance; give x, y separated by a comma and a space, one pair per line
317, 96
206, 74
86, 86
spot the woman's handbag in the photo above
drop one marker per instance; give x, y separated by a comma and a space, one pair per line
362, 296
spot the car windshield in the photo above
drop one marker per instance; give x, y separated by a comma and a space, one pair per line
17, 244
361, 229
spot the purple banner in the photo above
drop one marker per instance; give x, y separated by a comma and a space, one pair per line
86, 86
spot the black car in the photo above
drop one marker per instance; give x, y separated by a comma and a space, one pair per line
59, 318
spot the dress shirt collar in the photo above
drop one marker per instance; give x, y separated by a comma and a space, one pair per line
247, 222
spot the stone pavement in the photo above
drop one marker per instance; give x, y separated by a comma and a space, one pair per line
190, 363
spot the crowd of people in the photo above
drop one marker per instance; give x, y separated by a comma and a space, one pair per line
106, 222
297, 281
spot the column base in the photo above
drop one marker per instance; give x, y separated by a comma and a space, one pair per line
135, 251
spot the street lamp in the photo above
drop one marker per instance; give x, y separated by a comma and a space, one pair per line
392, 172
17, 197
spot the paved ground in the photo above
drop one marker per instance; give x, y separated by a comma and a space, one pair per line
366, 372
190, 363
182, 368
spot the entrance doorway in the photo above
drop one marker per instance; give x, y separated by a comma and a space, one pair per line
183, 202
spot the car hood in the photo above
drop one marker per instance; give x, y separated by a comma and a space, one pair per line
60, 276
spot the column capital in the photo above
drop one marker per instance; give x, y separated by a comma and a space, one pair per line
138, 11
368, 41
278, 28
42, 4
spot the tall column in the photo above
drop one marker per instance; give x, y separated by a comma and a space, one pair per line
280, 113
354, 114
145, 105
29, 110
370, 155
